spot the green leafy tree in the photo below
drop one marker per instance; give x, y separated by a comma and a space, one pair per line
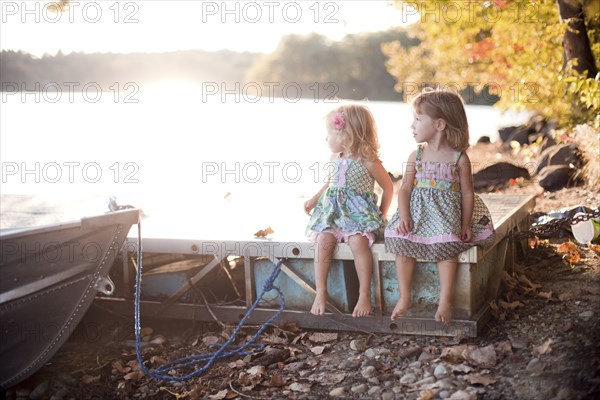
537, 55
351, 68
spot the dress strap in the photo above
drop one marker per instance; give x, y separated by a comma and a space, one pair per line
419, 152
458, 154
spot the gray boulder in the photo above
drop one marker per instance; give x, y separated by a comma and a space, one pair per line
556, 177
563, 154
497, 176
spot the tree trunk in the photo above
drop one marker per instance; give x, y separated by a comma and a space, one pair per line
576, 42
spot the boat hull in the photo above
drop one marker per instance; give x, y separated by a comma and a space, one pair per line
49, 277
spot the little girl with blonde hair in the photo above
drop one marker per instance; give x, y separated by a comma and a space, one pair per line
345, 209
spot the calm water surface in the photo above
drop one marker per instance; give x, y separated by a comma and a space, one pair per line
220, 165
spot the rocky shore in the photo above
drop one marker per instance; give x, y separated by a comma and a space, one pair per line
543, 343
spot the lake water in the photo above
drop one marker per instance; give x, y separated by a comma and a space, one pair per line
230, 163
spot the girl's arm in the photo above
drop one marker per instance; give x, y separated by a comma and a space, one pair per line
378, 172
312, 202
406, 224
468, 196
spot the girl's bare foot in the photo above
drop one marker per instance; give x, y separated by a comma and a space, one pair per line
401, 308
444, 313
318, 307
363, 306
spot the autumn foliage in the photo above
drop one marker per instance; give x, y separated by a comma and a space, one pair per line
513, 49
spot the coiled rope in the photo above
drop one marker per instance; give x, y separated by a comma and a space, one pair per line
166, 371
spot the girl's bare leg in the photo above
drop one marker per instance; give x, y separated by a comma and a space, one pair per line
363, 262
405, 267
326, 243
447, 271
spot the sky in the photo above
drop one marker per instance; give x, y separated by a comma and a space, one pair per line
159, 25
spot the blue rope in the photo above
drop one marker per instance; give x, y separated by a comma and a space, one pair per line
207, 359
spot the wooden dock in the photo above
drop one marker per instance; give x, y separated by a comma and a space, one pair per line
190, 262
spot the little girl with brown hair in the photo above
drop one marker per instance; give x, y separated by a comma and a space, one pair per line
439, 215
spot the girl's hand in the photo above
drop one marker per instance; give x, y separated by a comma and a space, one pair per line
309, 205
466, 234
405, 226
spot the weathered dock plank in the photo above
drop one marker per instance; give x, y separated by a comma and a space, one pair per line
478, 279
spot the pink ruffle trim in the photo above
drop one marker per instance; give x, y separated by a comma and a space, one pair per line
441, 238
342, 237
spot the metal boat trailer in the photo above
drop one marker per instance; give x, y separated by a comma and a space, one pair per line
190, 263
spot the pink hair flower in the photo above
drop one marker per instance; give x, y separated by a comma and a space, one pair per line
339, 120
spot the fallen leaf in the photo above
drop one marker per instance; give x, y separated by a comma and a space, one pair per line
595, 247
322, 337
566, 296
300, 387
546, 295
158, 340
456, 339
231, 395
87, 379
453, 354
317, 349
525, 280
291, 327
475, 379
276, 381
272, 355
570, 252
146, 331
461, 368
567, 246
456, 354
252, 377
210, 340
157, 360
257, 370
510, 306
496, 312
533, 242
544, 348
237, 364
218, 396
178, 395
274, 339
504, 347
118, 365
509, 280
134, 376
484, 357
294, 350
359, 344
264, 232
463, 395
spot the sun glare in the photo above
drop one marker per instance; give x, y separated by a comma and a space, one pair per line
43, 27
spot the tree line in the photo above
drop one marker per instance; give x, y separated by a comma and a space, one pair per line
352, 68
